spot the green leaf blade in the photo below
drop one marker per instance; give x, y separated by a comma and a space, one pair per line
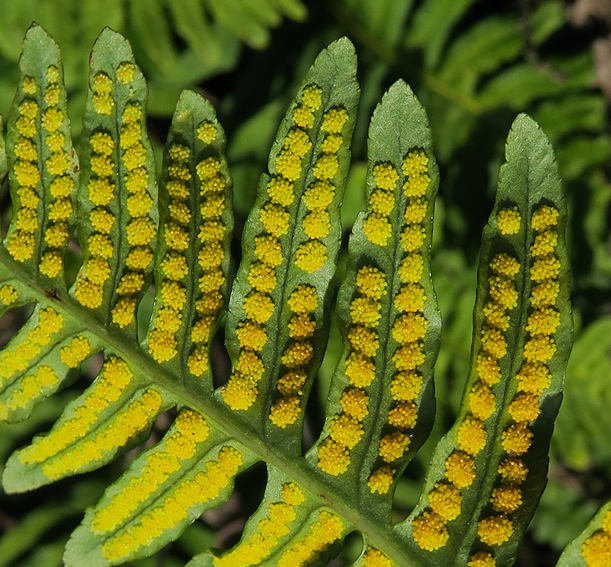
290, 244
486, 475
193, 256
118, 192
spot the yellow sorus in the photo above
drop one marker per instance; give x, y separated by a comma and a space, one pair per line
214, 185
503, 291
251, 336
102, 83
30, 388
169, 319
326, 167
482, 559
101, 220
101, 191
494, 342
509, 220
333, 457
303, 117
544, 218
331, 144
304, 299
496, 316
311, 97
211, 281
26, 127
385, 176
525, 407
285, 411
51, 264
375, 558
213, 207
28, 197
488, 369
334, 120
405, 386
545, 294
471, 436
482, 402
409, 357
382, 202
301, 327
8, 295
415, 163
393, 446
132, 112
21, 245
262, 277
544, 244
28, 109
211, 256
429, 531
411, 298
137, 180
495, 530
141, 231
26, 173
97, 270
280, 191
539, 349
377, 229
533, 378
52, 74
29, 85
543, 321
259, 307
403, 415
354, 402
207, 168
364, 340
460, 469
55, 141
126, 72
130, 283
123, 312
60, 210
291, 382
517, 439
209, 304
89, 294
25, 149
371, 282
317, 224
268, 250
52, 119
381, 480
415, 211
412, 238
505, 265
411, 268
297, 354
52, 95
319, 195
513, 470
360, 370
346, 430
250, 366
134, 158
201, 331
57, 234
102, 143
275, 220
27, 220
311, 256
297, 142
288, 165
327, 529
140, 204
61, 187
365, 311
162, 345
130, 136
545, 268
103, 104
206, 132
506, 498
445, 500
101, 246
239, 393
409, 328
174, 265
77, 351
596, 550
58, 163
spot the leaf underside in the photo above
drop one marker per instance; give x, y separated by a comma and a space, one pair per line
134, 228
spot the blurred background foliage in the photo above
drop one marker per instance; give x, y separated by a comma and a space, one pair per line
474, 64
